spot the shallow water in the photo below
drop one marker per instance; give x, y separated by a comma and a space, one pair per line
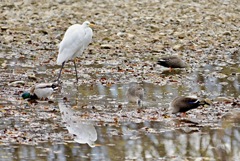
127, 142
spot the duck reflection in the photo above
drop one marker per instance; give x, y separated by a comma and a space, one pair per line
83, 131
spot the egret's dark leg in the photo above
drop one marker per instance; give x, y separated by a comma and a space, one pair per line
75, 69
139, 103
60, 72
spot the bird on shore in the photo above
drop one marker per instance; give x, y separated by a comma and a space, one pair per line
172, 62
40, 91
135, 93
75, 41
183, 104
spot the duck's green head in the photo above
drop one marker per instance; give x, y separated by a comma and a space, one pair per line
26, 95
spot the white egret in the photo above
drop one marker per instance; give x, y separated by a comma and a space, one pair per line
75, 41
40, 91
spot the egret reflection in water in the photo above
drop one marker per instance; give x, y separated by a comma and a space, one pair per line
83, 131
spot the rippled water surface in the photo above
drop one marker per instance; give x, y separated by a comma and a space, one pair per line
129, 141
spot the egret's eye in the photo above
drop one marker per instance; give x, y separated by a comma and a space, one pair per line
54, 86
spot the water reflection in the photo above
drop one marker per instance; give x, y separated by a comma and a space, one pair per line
83, 131
130, 142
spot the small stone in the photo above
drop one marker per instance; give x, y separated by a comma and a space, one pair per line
4, 28
8, 38
178, 47
16, 83
131, 36
180, 35
224, 99
227, 33
121, 34
106, 46
32, 77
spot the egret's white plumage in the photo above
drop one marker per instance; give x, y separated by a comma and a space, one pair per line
75, 41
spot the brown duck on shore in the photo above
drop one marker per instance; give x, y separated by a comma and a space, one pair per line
183, 104
172, 62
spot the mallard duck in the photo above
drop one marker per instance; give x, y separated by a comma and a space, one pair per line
135, 93
172, 62
183, 104
40, 91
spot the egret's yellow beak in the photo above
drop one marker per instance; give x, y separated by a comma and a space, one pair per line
93, 25
97, 145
